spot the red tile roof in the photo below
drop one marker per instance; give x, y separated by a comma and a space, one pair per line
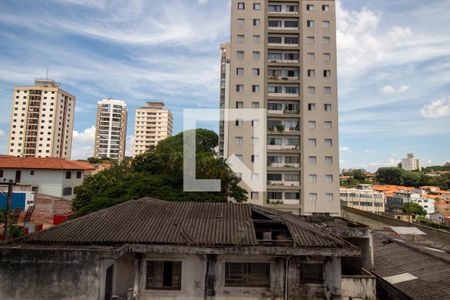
50, 163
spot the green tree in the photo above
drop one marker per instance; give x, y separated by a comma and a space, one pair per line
413, 209
158, 173
390, 176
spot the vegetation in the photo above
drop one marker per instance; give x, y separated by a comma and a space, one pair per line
413, 209
158, 173
355, 177
398, 176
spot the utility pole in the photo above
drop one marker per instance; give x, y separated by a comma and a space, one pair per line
8, 210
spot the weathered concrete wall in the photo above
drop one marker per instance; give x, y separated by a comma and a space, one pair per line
363, 287
39, 274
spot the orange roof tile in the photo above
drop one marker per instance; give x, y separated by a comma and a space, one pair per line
50, 163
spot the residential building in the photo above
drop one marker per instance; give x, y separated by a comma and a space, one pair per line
41, 122
411, 163
187, 250
55, 177
153, 123
363, 198
282, 59
396, 201
111, 129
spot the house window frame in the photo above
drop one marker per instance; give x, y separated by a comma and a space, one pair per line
163, 289
246, 283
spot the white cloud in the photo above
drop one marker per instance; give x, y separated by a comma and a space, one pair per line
344, 149
437, 109
87, 135
389, 89
83, 143
391, 162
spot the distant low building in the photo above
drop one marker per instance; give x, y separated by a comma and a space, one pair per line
182, 250
395, 202
55, 177
363, 198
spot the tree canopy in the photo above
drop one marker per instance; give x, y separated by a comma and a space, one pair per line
398, 176
158, 173
413, 209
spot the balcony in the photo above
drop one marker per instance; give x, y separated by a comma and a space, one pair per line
283, 183
283, 129
283, 147
283, 165
283, 201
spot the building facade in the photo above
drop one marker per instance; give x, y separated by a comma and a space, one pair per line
48, 176
411, 163
41, 121
153, 123
111, 129
282, 59
363, 199
395, 202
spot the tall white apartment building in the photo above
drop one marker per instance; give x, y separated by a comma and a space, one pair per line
153, 123
411, 163
111, 129
41, 123
282, 58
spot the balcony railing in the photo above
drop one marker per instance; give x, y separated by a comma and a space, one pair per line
283, 78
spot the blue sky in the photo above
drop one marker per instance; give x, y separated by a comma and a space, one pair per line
394, 66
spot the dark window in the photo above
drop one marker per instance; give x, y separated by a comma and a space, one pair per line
78, 175
68, 175
163, 275
1, 173
67, 191
18, 176
241, 5
311, 273
247, 274
32, 172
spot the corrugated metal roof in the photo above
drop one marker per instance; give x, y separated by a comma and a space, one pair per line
151, 221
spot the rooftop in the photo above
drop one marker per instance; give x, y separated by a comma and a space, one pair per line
150, 221
49, 163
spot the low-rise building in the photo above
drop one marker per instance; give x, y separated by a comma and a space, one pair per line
363, 198
22, 196
55, 177
153, 249
395, 202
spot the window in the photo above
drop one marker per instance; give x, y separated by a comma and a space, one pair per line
241, 22
255, 104
310, 272
240, 38
68, 175
274, 177
326, 24
255, 72
327, 90
256, 22
240, 71
275, 39
241, 5
328, 142
310, 7
256, 54
329, 178
67, 191
328, 160
255, 140
311, 124
311, 90
239, 123
310, 23
312, 142
291, 195
327, 107
326, 40
312, 196
312, 160
239, 88
239, 104
311, 56
326, 73
240, 54
32, 172
275, 23
256, 6
163, 275
312, 178
325, 7
310, 40
254, 158
326, 56
256, 39
291, 177
275, 195
238, 140
255, 88
290, 40
329, 197
254, 195
327, 125
311, 106
247, 274
291, 8
79, 175
1, 173
311, 73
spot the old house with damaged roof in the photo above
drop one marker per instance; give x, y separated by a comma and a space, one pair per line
153, 249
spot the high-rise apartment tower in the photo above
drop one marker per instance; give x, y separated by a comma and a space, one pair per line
282, 58
153, 123
111, 129
41, 122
